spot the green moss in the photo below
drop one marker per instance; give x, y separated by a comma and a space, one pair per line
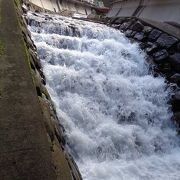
18, 3
0, 13
24, 46
1, 48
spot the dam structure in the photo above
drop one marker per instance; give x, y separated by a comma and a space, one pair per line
156, 10
88, 95
63, 6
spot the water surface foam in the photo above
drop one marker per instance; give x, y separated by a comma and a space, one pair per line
114, 111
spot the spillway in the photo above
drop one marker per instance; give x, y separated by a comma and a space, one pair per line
115, 112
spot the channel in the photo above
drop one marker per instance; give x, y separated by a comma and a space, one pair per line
115, 112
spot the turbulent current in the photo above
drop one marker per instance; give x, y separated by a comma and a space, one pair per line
115, 113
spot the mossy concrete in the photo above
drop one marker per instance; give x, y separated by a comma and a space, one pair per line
1, 48
25, 152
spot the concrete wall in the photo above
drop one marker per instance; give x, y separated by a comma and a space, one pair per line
32, 139
157, 10
60, 6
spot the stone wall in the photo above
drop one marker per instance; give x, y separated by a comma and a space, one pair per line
62, 161
163, 54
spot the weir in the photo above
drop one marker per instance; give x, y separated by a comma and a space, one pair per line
115, 113
87, 100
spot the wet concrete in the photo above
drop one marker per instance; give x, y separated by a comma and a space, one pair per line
25, 151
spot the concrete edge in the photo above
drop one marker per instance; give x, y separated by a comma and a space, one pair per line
65, 166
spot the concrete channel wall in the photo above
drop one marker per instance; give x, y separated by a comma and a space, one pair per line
60, 6
156, 10
31, 136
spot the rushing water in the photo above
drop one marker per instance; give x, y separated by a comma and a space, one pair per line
114, 111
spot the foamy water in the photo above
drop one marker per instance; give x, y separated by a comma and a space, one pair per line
114, 111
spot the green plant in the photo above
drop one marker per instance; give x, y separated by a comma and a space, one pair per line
1, 48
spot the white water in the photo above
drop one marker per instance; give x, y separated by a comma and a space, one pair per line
115, 113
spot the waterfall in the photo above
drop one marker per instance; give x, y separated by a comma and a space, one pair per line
115, 113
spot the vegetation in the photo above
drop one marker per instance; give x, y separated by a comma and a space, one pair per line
18, 3
1, 48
